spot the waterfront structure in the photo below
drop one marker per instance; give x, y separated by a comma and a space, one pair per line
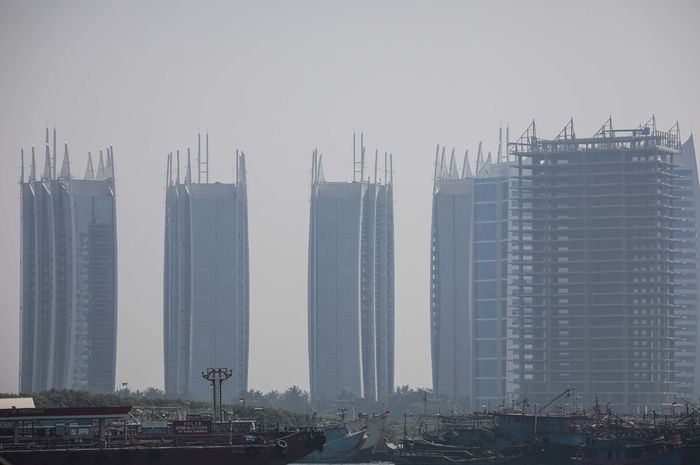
468, 278
592, 275
686, 204
68, 278
206, 277
351, 282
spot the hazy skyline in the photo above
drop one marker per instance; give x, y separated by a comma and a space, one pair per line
278, 79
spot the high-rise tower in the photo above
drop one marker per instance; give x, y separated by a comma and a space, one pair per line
468, 272
68, 302
593, 266
206, 281
351, 282
685, 254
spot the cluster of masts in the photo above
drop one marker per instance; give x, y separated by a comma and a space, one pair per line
202, 164
105, 165
358, 171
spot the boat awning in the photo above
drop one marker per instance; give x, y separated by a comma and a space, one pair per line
82, 413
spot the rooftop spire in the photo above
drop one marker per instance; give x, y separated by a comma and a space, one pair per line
21, 169
54, 158
199, 158
188, 171
109, 168
376, 156
466, 169
100, 176
454, 171
89, 171
32, 168
65, 166
177, 167
479, 158
500, 145
47, 162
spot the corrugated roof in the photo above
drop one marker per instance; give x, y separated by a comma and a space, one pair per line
17, 402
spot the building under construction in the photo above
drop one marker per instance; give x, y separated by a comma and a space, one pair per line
468, 277
351, 282
68, 278
593, 266
206, 281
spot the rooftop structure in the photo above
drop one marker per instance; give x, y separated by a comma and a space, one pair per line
592, 265
68, 279
206, 277
351, 282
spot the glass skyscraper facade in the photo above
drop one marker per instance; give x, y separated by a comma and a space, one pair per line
206, 280
351, 286
687, 200
469, 265
68, 298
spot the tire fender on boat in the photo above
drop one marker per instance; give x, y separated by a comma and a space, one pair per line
282, 446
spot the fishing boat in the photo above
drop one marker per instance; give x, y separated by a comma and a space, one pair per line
343, 450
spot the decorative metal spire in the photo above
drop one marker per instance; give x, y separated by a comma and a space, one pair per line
466, 169
47, 162
32, 168
188, 171
65, 166
89, 171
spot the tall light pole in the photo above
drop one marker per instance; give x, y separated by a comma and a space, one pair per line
216, 376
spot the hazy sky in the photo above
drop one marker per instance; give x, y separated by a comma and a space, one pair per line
280, 78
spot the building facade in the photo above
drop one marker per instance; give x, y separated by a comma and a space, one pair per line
68, 279
206, 279
351, 285
593, 267
468, 291
687, 200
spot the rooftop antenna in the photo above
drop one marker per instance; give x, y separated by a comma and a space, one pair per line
435, 169
237, 167
54, 152
376, 156
188, 171
21, 169
177, 169
168, 179
199, 158
386, 178
500, 145
206, 173
354, 162
32, 168
507, 143
391, 168
362, 157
